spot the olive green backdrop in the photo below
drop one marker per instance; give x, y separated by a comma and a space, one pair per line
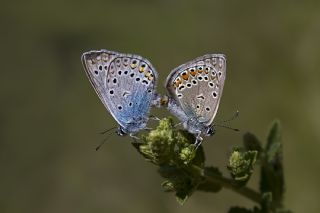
50, 116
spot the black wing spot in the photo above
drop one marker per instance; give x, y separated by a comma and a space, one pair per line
100, 67
106, 67
125, 72
132, 75
130, 104
200, 97
208, 109
119, 72
137, 79
214, 94
96, 72
114, 80
194, 82
145, 81
198, 106
206, 78
189, 85
181, 87
111, 92
120, 107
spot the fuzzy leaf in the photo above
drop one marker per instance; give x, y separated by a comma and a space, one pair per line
272, 177
241, 165
251, 143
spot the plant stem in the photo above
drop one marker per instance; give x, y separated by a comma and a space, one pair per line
228, 183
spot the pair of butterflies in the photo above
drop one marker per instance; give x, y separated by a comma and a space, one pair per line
126, 85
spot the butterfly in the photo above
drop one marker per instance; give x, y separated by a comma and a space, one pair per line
125, 83
195, 89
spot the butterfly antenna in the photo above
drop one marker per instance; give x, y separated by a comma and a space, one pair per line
222, 123
105, 131
227, 127
102, 142
235, 115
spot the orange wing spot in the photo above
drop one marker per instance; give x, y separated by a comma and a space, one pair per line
193, 72
213, 77
206, 71
200, 69
141, 69
185, 76
133, 65
177, 82
149, 76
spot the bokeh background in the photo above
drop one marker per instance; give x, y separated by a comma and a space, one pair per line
50, 116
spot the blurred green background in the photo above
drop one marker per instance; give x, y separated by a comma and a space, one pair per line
50, 116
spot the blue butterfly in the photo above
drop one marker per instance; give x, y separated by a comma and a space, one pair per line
125, 84
195, 89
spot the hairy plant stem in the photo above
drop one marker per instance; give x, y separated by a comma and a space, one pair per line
229, 184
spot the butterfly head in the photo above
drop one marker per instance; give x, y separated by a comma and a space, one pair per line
196, 127
121, 131
137, 124
210, 131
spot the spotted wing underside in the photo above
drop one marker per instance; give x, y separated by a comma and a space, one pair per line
125, 83
197, 86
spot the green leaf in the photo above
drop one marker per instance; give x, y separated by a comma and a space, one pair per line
251, 143
209, 186
241, 165
272, 177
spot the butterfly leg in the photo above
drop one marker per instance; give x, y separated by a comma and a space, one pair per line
148, 129
199, 140
155, 118
133, 136
178, 124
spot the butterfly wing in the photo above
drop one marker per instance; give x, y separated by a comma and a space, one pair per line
197, 85
125, 84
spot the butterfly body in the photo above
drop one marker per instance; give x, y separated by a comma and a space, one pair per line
195, 89
125, 83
